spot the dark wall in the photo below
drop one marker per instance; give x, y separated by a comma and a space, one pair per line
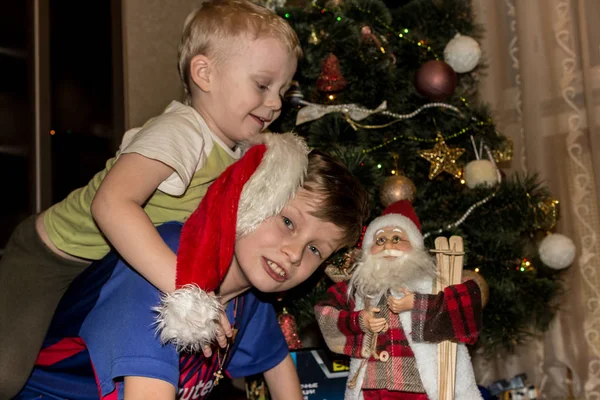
81, 84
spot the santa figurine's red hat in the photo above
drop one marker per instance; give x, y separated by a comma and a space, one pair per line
399, 214
251, 190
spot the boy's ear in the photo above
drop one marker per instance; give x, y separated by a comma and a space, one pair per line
200, 68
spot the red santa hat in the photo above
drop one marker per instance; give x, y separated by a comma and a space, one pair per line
251, 190
399, 214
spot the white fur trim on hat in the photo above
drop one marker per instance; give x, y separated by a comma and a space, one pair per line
188, 318
276, 180
414, 235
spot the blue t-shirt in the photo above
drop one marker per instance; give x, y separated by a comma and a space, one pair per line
104, 330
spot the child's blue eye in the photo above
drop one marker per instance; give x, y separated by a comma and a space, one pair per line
315, 250
288, 222
262, 87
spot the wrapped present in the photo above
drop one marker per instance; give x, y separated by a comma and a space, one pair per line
515, 389
525, 393
322, 374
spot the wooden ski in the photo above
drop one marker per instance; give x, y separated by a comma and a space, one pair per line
450, 264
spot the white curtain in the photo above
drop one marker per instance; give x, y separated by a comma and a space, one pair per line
543, 84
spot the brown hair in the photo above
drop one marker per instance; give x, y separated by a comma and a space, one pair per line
210, 29
345, 202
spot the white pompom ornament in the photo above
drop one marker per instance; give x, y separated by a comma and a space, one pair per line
557, 251
462, 53
480, 172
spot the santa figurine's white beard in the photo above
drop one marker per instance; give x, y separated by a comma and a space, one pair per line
375, 275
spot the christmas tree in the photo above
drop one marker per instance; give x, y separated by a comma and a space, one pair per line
391, 90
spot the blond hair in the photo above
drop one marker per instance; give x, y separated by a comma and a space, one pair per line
209, 30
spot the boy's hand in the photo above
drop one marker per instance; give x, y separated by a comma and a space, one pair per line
372, 323
404, 304
224, 333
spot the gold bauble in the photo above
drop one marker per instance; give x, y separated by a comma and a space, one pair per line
396, 188
480, 281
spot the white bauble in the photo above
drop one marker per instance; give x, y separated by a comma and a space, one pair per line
480, 172
557, 251
462, 53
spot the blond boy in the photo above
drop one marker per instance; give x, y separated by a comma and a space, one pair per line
236, 60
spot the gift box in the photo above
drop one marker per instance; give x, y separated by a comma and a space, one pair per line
323, 374
515, 389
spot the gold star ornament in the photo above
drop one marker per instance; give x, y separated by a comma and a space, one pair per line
442, 158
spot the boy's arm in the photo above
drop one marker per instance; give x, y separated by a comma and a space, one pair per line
117, 209
452, 314
283, 381
142, 388
261, 344
339, 323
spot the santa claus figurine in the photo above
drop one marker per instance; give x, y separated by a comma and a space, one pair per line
386, 319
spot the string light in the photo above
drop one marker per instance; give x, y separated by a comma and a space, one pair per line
425, 140
402, 34
525, 265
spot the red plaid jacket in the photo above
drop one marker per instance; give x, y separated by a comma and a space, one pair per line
454, 314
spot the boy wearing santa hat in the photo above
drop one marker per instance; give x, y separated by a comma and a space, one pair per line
387, 321
259, 226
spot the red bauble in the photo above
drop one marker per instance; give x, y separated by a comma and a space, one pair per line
435, 80
331, 79
287, 322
